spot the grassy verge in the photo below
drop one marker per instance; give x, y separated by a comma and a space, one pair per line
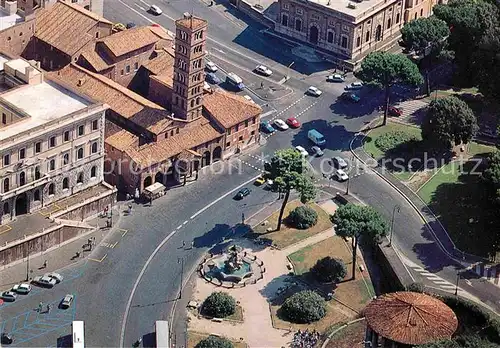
289, 235
195, 337
349, 337
477, 149
237, 315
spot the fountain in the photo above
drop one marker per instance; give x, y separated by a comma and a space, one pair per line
232, 266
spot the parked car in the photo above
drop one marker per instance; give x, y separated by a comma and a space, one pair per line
317, 151
56, 276
302, 151
264, 70
210, 66
339, 162
280, 124
341, 175
354, 86
45, 281
260, 180
316, 137
6, 338
348, 96
335, 78
8, 296
67, 301
212, 78
206, 86
130, 25
314, 91
22, 288
247, 97
293, 122
243, 193
155, 10
265, 126
394, 111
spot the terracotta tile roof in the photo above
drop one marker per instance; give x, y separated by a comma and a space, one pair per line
191, 23
162, 33
94, 59
411, 318
201, 131
66, 26
165, 79
229, 109
163, 63
129, 40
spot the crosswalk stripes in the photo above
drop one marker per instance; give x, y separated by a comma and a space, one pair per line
410, 107
108, 245
440, 282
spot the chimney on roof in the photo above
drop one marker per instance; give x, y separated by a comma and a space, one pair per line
80, 82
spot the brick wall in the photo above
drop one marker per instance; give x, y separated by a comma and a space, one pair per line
15, 40
159, 93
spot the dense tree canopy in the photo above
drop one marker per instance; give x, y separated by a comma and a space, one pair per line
290, 173
491, 175
449, 121
329, 269
304, 307
214, 342
425, 34
488, 63
386, 69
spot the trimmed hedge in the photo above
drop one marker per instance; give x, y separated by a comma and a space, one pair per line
329, 269
393, 139
219, 305
304, 307
303, 217
214, 342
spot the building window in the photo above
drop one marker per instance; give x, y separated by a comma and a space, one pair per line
93, 148
246, 123
228, 144
52, 164
330, 36
36, 195
192, 102
6, 160
4, 118
254, 120
358, 41
252, 133
122, 72
236, 127
22, 179
127, 69
37, 172
22, 154
397, 18
66, 159
95, 125
240, 138
66, 136
81, 130
172, 133
80, 178
298, 25
344, 41
6, 208
38, 147
79, 153
136, 66
6, 185
415, 15
93, 172
65, 183
367, 36
421, 12
177, 131
388, 23
51, 189
286, 7
52, 142
96, 34
229, 131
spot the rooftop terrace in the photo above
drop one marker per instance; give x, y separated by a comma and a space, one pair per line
352, 8
7, 21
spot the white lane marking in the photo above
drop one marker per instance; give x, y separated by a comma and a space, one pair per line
140, 7
267, 113
185, 222
178, 227
137, 12
222, 197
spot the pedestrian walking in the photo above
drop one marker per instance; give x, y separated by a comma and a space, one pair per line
129, 208
183, 244
45, 264
262, 85
40, 306
48, 308
192, 244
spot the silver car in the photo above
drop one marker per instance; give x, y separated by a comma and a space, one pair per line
45, 281
56, 276
9, 296
22, 288
67, 301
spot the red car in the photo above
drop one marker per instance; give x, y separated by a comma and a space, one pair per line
394, 111
293, 122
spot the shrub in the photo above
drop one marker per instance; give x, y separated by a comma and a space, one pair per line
214, 342
393, 139
303, 217
329, 269
304, 307
416, 287
219, 304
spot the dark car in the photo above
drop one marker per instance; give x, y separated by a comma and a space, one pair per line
266, 127
348, 96
394, 111
212, 78
243, 193
6, 338
130, 25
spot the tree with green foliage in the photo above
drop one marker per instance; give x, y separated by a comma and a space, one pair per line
359, 222
214, 342
289, 172
219, 305
304, 307
491, 175
449, 121
303, 217
488, 61
426, 36
385, 69
329, 269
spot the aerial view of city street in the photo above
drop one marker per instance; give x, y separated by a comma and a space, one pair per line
250, 173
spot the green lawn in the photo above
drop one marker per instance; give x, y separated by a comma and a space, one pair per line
447, 174
476, 149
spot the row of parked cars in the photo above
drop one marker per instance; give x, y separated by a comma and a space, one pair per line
47, 280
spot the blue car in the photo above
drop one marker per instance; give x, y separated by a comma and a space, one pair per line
212, 78
265, 126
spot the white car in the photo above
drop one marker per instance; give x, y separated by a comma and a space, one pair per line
247, 97
335, 78
264, 70
281, 124
155, 10
341, 175
56, 276
354, 86
22, 288
67, 301
314, 91
210, 66
206, 86
45, 281
302, 151
9, 296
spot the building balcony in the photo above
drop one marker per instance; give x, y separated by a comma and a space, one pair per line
21, 189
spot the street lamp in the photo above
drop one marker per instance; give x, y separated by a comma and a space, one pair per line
456, 284
181, 261
398, 209
347, 189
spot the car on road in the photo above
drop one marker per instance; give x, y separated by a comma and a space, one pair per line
314, 91
280, 124
340, 175
264, 70
212, 78
351, 97
335, 78
8, 296
394, 111
130, 25
260, 180
6, 338
316, 151
293, 122
56, 276
265, 126
45, 281
155, 10
210, 66
22, 288
247, 97
302, 151
243, 193
67, 301
206, 86
354, 86
339, 162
